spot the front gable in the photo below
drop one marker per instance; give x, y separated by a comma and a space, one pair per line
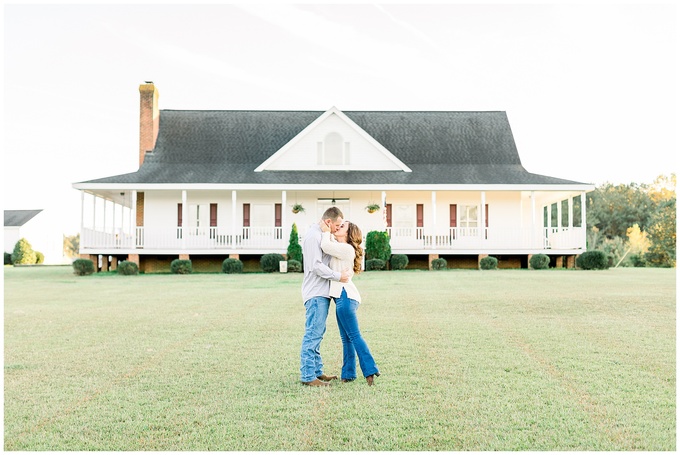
333, 142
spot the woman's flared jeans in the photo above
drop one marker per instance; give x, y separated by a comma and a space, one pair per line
353, 343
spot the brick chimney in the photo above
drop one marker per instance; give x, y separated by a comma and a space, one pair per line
148, 119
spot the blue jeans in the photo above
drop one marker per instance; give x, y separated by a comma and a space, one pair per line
316, 313
353, 343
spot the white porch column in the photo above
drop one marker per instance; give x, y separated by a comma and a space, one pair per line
533, 218
94, 212
185, 212
284, 224
482, 216
584, 225
113, 222
233, 218
383, 206
82, 211
133, 218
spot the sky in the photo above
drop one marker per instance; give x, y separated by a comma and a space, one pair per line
591, 91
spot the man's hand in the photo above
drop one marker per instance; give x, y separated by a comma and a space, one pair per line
324, 227
344, 276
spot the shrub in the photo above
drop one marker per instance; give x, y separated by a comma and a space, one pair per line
232, 265
375, 264
181, 266
593, 260
82, 267
127, 268
488, 263
270, 262
39, 257
539, 261
294, 266
398, 261
23, 253
294, 248
8, 259
439, 264
378, 246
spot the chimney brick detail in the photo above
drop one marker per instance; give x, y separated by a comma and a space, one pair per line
148, 119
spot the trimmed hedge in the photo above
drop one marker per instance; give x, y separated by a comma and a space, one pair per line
294, 266
127, 268
82, 267
375, 264
488, 263
39, 257
378, 246
439, 264
232, 265
539, 261
270, 262
181, 266
8, 259
593, 260
398, 261
23, 253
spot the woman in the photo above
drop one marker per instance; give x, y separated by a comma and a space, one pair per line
346, 254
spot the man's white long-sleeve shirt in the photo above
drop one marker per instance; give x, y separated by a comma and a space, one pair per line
316, 281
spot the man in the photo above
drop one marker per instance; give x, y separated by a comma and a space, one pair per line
316, 296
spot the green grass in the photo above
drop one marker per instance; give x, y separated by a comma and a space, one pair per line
470, 360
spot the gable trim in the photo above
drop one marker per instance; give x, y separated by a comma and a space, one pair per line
333, 111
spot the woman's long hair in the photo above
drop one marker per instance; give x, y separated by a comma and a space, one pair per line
354, 238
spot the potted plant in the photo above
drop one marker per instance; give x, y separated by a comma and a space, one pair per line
298, 208
372, 208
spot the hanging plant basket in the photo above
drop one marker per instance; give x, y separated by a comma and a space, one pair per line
371, 208
297, 208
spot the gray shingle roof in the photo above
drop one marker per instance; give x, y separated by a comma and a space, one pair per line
19, 217
439, 147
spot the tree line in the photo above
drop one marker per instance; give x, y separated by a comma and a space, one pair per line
634, 224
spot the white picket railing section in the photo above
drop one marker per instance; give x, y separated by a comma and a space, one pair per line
401, 238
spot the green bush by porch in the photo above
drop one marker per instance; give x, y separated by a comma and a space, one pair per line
539, 261
82, 267
488, 263
232, 265
270, 262
181, 266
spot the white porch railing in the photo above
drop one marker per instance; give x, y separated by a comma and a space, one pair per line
186, 239
401, 238
487, 238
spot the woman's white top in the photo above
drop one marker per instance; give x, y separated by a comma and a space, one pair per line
342, 258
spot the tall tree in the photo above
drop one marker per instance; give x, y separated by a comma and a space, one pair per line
72, 245
612, 209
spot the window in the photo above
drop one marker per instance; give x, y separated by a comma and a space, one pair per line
333, 151
277, 221
577, 211
469, 219
213, 220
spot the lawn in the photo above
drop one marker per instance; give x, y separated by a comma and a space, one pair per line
470, 360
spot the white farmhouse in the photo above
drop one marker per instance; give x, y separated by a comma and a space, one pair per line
218, 184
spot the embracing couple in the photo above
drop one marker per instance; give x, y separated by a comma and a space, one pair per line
332, 254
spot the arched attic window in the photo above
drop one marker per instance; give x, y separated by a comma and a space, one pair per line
333, 150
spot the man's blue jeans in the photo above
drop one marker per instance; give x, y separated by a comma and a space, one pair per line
352, 341
316, 313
